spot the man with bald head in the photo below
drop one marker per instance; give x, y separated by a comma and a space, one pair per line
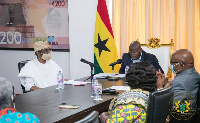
185, 83
136, 54
40, 72
187, 78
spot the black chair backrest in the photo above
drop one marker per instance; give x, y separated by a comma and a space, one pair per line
158, 105
93, 117
20, 65
197, 115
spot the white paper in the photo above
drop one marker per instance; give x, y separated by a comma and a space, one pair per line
102, 75
120, 75
106, 75
73, 82
122, 88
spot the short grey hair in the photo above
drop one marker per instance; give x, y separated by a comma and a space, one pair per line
6, 92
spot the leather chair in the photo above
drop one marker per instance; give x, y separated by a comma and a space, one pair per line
163, 53
158, 105
20, 65
93, 117
197, 115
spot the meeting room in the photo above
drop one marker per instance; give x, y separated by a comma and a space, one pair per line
99, 61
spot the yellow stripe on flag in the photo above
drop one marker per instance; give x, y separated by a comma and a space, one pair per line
105, 57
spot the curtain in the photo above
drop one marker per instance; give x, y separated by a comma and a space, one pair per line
164, 19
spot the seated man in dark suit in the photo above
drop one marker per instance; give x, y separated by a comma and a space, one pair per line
185, 84
136, 54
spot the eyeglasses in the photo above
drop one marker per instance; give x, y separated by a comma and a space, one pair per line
176, 63
134, 51
45, 51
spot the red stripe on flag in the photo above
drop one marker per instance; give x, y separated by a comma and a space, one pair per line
103, 12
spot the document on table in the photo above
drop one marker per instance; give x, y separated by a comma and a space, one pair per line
73, 82
122, 88
106, 75
67, 106
103, 75
120, 75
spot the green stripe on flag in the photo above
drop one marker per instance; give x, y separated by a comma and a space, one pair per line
97, 70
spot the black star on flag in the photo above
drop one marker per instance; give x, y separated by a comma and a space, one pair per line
101, 45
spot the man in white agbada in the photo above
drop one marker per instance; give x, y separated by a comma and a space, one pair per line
40, 72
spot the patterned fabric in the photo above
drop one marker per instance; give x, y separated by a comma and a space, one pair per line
5, 111
129, 107
17, 117
128, 114
40, 45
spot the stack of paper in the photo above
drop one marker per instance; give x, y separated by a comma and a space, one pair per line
73, 82
103, 75
120, 75
123, 88
106, 75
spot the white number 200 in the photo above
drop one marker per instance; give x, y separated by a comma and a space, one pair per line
9, 37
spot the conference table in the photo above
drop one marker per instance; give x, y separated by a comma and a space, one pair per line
44, 102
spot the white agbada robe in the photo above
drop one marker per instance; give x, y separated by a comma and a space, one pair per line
38, 74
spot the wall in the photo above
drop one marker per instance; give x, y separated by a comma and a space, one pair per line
82, 17
10, 59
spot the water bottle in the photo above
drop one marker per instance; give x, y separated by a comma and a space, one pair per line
94, 83
60, 84
126, 69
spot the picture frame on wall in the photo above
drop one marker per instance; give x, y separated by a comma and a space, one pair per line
21, 21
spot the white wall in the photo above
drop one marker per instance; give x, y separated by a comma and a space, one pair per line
82, 17
10, 59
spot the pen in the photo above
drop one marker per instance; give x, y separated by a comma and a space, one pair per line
80, 85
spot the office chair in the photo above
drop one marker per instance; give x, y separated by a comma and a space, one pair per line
20, 65
93, 117
158, 105
197, 115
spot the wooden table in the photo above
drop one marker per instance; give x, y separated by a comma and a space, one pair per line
44, 102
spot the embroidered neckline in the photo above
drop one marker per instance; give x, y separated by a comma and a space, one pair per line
134, 96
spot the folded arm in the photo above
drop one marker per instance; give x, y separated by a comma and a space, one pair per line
29, 84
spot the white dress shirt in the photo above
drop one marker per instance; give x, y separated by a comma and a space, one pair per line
38, 74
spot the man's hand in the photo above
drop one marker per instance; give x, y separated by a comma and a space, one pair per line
161, 79
33, 88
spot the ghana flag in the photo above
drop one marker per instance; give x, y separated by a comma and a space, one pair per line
105, 51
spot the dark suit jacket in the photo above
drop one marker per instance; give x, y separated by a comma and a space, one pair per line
185, 85
126, 60
187, 81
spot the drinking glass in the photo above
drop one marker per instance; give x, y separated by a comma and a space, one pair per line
98, 91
